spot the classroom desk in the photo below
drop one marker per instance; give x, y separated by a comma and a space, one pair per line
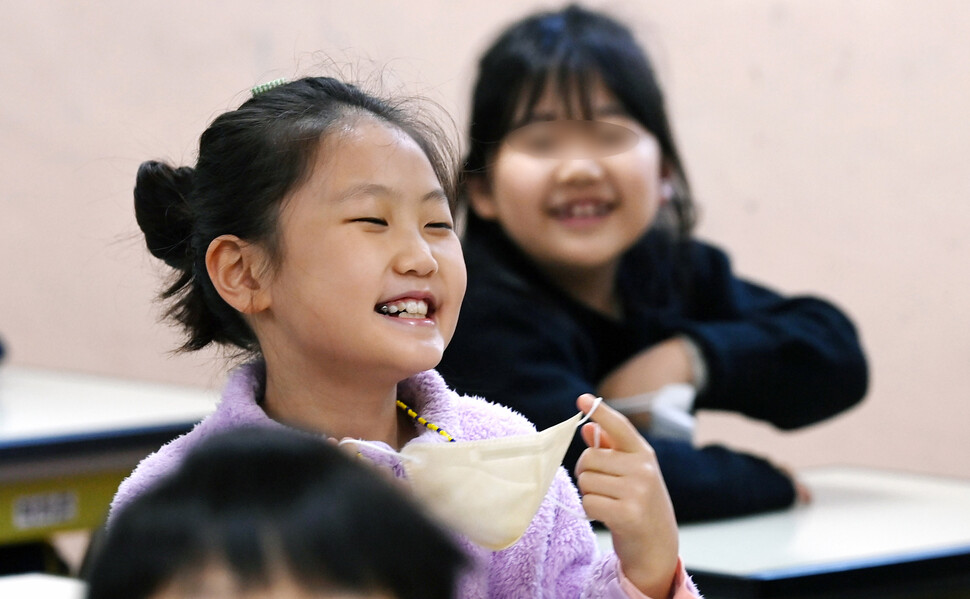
867, 533
67, 440
41, 586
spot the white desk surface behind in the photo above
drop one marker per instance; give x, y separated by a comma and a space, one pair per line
37, 404
41, 586
858, 516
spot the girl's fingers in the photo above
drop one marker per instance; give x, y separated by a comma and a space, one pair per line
594, 436
617, 432
625, 477
592, 482
598, 507
623, 488
612, 462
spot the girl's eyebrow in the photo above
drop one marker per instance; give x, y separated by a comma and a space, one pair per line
541, 116
534, 117
435, 194
611, 109
363, 190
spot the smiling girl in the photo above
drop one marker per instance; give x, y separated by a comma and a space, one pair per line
584, 276
315, 233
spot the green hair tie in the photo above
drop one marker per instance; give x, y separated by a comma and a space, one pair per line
262, 87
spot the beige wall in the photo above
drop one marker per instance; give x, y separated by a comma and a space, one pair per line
828, 141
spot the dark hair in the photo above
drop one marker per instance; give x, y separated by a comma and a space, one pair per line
264, 501
249, 160
571, 47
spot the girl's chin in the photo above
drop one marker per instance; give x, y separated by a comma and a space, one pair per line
426, 358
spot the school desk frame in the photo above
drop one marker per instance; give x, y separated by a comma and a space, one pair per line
67, 441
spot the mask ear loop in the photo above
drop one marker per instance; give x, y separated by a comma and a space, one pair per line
596, 431
381, 449
377, 447
596, 443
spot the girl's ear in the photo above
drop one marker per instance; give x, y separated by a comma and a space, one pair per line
480, 197
667, 176
236, 269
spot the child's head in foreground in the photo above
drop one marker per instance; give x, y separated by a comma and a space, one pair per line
310, 212
572, 65
267, 513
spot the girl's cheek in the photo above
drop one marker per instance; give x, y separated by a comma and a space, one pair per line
524, 168
449, 251
637, 164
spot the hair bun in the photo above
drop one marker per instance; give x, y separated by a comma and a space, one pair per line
163, 212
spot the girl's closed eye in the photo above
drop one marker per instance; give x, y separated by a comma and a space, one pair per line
373, 220
445, 225
437, 216
537, 139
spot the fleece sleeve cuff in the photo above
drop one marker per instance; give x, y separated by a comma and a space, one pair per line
682, 587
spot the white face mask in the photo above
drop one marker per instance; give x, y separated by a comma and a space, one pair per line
488, 490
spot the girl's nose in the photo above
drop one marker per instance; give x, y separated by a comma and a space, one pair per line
415, 257
579, 170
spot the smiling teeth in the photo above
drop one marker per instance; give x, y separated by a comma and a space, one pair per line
584, 209
408, 309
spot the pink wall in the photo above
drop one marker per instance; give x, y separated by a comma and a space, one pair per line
828, 142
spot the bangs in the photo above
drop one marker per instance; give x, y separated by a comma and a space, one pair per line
573, 78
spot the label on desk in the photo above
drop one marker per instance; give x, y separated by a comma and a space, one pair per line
39, 510
32, 510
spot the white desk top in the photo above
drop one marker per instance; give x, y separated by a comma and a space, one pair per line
37, 404
858, 517
67, 440
41, 586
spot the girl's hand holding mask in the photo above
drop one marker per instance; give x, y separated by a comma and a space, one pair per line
622, 487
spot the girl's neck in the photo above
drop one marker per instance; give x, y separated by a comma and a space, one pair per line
336, 406
594, 287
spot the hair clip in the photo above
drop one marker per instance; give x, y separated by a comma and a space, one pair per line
262, 87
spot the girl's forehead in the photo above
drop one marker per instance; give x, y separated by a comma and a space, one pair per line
365, 157
218, 581
365, 129
343, 147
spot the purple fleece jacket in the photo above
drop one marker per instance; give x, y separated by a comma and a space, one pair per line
557, 557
